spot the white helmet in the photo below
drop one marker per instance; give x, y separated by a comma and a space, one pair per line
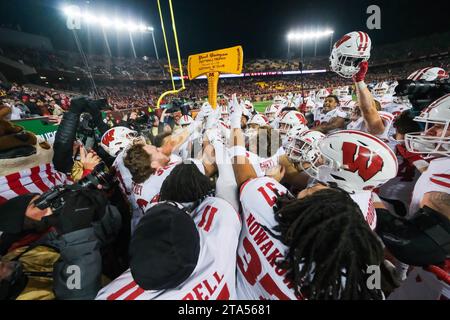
186, 120
342, 93
438, 113
380, 89
249, 106
347, 106
302, 150
321, 95
259, 119
271, 111
355, 161
429, 74
349, 52
116, 139
294, 132
291, 119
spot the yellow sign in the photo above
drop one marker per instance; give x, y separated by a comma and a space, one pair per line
212, 64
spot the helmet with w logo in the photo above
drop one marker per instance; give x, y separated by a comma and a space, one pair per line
349, 52
355, 161
116, 139
259, 120
291, 119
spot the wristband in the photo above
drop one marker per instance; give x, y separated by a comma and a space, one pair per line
361, 85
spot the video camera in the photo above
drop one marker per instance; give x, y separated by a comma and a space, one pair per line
54, 198
422, 93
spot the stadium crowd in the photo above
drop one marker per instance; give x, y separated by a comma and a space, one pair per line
337, 191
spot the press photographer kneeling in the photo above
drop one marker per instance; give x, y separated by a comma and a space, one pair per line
66, 262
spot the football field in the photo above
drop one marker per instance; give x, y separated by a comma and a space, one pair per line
261, 105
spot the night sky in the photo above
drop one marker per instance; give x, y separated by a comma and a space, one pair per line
204, 25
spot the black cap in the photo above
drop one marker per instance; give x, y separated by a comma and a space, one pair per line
164, 248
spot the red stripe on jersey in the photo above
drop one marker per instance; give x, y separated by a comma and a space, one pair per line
135, 294
447, 176
121, 291
15, 184
224, 294
50, 173
441, 183
37, 180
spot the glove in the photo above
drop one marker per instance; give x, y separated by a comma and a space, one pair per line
235, 113
81, 208
94, 108
361, 74
78, 105
213, 118
410, 157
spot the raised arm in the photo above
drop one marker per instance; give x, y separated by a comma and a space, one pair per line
242, 168
369, 112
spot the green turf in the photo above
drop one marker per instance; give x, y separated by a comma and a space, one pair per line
261, 105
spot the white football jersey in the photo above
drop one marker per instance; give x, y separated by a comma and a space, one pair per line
333, 114
435, 178
258, 276
365, 203
147, 192
360, 125
214, 277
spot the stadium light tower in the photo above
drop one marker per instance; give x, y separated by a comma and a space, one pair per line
101, 20
154, 43
302, 36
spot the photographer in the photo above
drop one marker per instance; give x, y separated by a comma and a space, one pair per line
66, 262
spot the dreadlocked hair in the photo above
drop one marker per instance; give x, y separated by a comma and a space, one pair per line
328, 240
186, 184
